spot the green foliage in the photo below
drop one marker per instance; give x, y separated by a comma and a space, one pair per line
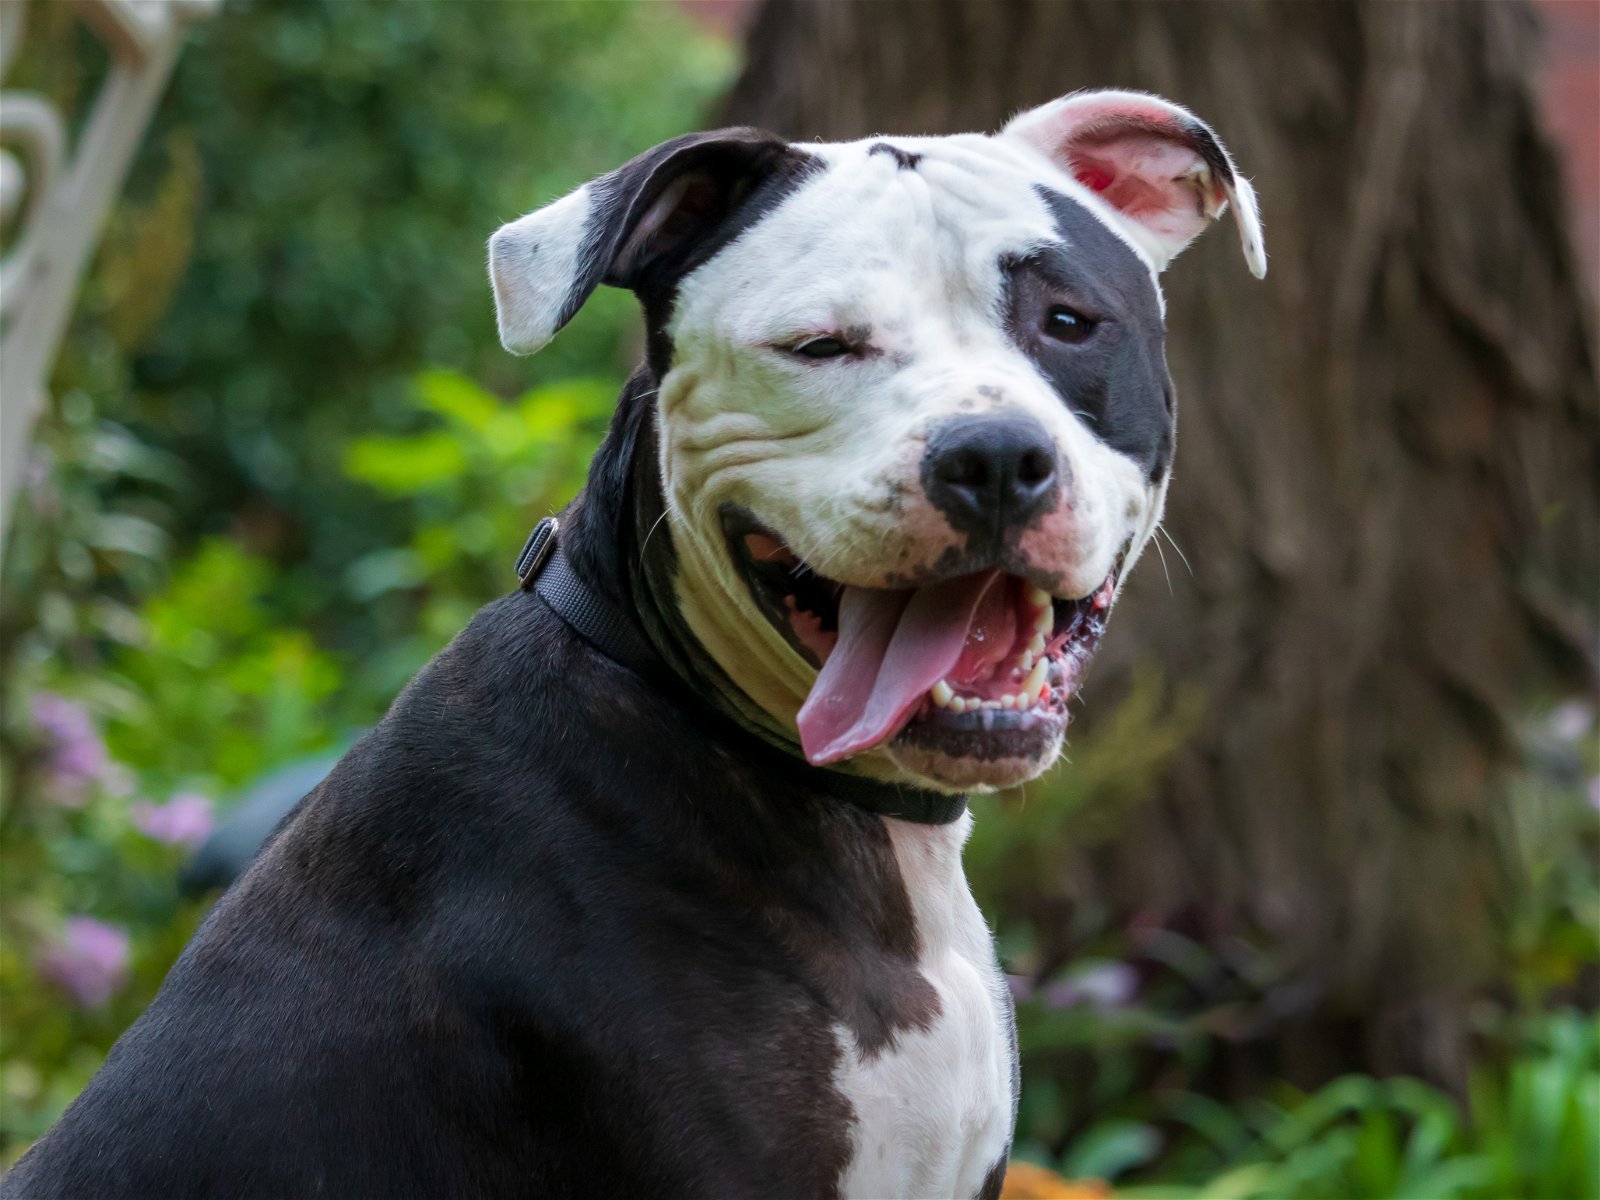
303, 231
354, 162
1533, 1132
474, 480
231, 693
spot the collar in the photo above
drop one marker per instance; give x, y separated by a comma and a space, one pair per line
544, 569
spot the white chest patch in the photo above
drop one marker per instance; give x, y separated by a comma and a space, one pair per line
934, 1109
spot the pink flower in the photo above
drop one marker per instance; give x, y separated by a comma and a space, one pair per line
1105, 986
1569, 723
89, 960
77, 757
60, 720
184, 820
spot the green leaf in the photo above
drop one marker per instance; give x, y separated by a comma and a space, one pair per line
127, 534
1110, 1148
401, 466
458, 399
373, 575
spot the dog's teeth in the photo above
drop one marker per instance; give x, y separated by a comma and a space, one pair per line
992, 704
1036, 646
1038, 597
942, 694
1044, 622
958, 705
1008, 701
1035, 679
1027, 662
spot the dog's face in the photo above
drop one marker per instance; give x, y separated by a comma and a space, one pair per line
914, 419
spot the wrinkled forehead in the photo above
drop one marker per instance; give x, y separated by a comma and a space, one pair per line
927, 219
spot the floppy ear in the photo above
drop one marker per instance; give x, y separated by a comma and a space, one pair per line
623, 228
1157, 164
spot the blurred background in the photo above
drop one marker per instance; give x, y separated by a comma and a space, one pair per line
1313, 909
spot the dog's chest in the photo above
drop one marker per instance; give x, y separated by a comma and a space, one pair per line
934, 1109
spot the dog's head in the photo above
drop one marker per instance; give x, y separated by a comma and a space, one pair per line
913, 420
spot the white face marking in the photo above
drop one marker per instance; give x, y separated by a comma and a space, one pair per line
829, 454
934, 1110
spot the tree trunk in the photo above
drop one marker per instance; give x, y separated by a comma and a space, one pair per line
1388, 469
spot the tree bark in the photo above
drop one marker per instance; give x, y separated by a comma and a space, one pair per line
1388, 469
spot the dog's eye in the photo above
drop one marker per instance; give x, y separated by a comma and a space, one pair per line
820, 347
1068, 325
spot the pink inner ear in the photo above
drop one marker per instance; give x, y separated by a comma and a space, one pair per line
1093, 176
1154, 163
1124, 189
1138, 198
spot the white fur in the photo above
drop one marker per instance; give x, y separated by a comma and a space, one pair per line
934, 1110
830, 455
533, 264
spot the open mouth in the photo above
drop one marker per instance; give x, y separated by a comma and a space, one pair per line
977, 666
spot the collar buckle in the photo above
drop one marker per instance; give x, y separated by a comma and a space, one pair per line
536, 551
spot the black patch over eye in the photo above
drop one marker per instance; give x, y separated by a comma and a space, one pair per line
1068, 325
821, 347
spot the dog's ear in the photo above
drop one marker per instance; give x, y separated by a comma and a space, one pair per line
624, 228
1157, 164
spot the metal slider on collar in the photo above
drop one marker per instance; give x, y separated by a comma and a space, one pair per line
536, 551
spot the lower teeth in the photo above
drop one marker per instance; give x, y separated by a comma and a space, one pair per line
944, 696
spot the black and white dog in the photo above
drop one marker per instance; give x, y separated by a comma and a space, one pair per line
650, 884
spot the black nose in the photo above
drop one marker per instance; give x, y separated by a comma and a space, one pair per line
991, 471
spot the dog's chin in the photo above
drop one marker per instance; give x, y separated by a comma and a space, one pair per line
974, 761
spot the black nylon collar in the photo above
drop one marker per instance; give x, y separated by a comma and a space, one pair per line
543, 569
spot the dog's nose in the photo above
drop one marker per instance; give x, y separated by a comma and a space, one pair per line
994, 470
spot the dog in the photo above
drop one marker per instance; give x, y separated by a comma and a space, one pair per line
650, 883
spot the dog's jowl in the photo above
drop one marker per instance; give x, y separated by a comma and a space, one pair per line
650, 884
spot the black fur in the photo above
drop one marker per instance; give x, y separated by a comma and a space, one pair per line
1198, 136
907, 160
1117, 380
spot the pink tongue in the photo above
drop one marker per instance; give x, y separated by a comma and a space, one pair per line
893, 646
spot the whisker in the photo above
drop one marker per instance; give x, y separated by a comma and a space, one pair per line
645, 545
1162, 555
1161, 529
